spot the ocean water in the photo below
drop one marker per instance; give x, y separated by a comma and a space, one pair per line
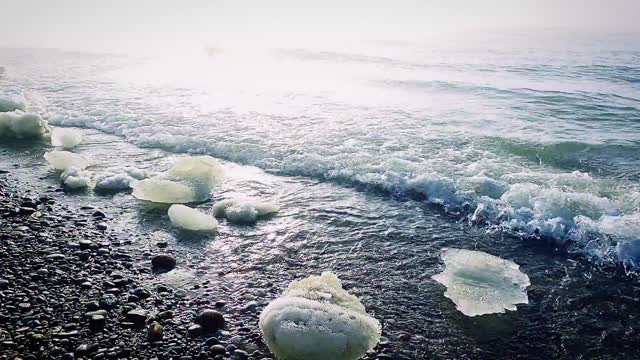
526, 146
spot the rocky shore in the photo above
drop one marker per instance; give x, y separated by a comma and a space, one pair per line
71, 288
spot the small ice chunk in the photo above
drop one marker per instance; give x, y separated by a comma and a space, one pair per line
221, 207
265, 208
316, 319
163, 191
243, 211
114, 182
190, 179
136, 173
119, 179
65, 138
480, 283
75, 178
62, 160
21, 125
241, 214
191, 219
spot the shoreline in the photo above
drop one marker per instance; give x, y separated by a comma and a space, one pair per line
239, 271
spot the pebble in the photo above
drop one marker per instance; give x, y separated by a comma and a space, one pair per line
155, 332
4, 284
217, 350
211, 341
99, 214
141, 293
108, 301
85, 244
84, 255
210, 320
137, 316
163, 263
97, 322
195, 330
165, 315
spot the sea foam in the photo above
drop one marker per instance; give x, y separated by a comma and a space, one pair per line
502, 192
9, 105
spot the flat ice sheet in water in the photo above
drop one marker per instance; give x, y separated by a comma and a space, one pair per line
65, 138
163, 191
316, 319
62, 160
243, 211
480, 283
191, 219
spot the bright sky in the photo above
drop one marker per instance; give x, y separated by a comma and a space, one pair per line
119, 25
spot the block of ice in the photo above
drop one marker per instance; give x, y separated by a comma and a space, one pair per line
190, 179
65, 138
163, 191
114, 182
265, 208
316, 319
119, 179
136, 173
75, 178
221, 207
21, 125
62, 160
191, 219
243, 211
480, 283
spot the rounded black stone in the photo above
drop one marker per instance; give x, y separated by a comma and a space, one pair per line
210, 320
163, 263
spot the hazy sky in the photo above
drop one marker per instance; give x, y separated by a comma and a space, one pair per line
125, 24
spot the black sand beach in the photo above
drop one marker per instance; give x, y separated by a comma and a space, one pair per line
70, 288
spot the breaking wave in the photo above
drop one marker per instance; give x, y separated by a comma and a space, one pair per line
596, 216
